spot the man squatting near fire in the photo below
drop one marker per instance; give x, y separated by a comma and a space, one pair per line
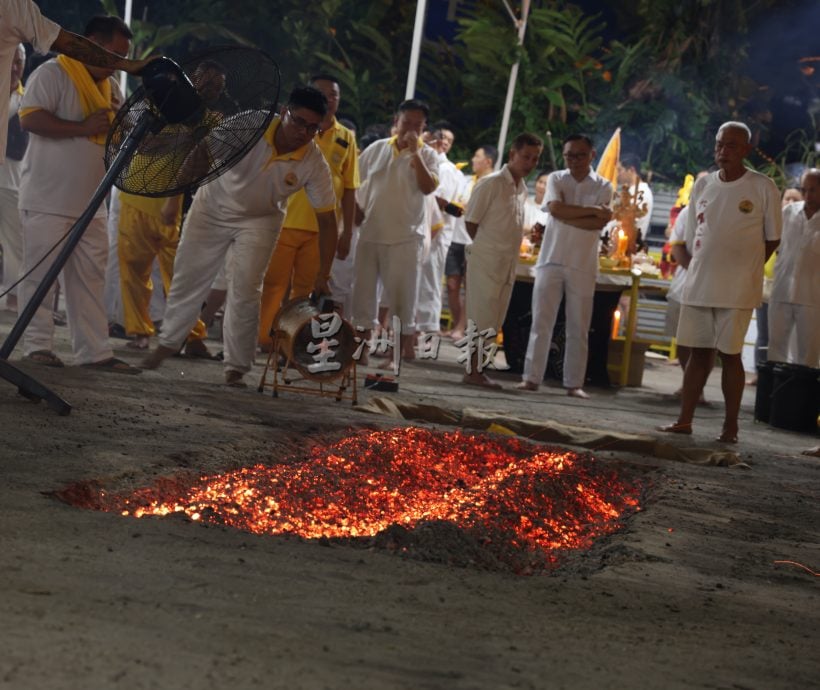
733, 227
495, 222
243, 210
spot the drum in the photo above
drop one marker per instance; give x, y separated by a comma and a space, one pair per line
320, 346
795, 398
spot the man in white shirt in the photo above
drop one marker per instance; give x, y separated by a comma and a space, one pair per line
629, 174
11, 234
734, 225
21, 22
67, 108
495, 218
578, 203
242, 210
399, 172
455, 265
448, 199
794, 305
682, 254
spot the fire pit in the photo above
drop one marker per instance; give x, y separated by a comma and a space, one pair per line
521, 504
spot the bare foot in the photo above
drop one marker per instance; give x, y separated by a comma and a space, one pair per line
140, 342
479, 379
456, 335
526, 386
577, 393
677, 428
153, 360
728, 434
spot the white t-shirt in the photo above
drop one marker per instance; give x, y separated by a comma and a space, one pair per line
450, 183
797, 268
497, 207
254, 192
59, 176
564, 244
395, 205
642, 223
460, 234
727, 228
678, 236
10, 169
20, 22
533, 214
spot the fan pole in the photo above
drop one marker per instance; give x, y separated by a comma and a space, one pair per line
26, 385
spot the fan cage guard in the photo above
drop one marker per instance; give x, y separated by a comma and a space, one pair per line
178, 157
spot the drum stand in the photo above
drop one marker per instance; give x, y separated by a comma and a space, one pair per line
287, 377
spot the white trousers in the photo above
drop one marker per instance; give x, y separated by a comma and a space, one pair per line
428, 310
201, 254
112, 294
490, 280
82, 280
551, 283
398, 267
801, 320
11, 237
341, 278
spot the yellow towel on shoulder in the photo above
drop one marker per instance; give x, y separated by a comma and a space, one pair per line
94, 96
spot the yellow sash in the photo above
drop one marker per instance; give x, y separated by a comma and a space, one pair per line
94, 96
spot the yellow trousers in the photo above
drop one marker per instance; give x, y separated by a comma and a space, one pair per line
142, 238
293, 265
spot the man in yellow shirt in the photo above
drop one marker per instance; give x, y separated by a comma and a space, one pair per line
296, 257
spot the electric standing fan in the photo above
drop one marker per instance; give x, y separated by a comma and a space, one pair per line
184, 126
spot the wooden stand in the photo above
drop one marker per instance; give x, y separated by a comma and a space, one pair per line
288, 377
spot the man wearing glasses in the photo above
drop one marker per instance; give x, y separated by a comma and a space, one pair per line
296, 257
578, 202
243, 210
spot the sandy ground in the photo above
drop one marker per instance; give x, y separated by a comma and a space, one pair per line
687, 596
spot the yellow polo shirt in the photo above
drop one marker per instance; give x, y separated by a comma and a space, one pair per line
338, 145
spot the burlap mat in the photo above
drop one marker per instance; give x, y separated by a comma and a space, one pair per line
552, 432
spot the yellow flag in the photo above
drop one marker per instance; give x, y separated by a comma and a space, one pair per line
608, 163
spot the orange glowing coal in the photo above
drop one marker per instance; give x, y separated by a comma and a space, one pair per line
500, 489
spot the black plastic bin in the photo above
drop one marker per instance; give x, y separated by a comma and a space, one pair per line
763, 394
795, 398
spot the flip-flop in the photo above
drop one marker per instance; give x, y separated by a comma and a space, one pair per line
487, 383
46, 358
137, 344
676, 428
114, 365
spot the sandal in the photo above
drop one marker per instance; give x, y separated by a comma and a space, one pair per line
114, 365
677, 428
45, 357
233, 379
196, 349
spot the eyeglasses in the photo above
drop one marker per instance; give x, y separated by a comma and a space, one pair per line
300, 122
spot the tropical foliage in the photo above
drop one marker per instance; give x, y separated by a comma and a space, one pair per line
665, 71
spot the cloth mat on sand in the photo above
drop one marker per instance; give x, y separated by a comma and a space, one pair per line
552, 432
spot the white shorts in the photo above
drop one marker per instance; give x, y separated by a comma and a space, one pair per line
718, 328
672, 317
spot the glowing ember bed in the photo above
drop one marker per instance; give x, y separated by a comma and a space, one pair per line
523, 504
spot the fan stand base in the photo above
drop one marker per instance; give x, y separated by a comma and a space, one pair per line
286, 377
31, 389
